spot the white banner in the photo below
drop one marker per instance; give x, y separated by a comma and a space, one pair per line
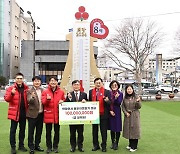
78, 113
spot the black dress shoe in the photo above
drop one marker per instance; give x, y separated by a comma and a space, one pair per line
56, 150
39, 149
48, 150
112, 146
31, 152
115, 146
13, 150
103, 149
72, 150
95, 148
23, 149
81, 149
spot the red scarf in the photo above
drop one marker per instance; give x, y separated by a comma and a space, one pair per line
100, 97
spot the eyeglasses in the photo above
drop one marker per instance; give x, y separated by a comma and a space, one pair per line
114, 85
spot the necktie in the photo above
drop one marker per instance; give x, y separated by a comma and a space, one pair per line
76, 95
97, 95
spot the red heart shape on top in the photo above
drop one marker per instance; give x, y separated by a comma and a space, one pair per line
98, 29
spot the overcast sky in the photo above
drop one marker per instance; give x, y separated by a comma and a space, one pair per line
55, 17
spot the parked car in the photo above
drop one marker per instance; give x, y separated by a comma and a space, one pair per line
167, 88
152, 90
44, 85
29, 84
7, 86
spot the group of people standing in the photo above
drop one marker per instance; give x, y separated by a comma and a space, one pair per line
42, 105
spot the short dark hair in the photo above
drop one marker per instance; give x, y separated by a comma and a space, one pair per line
53, 77
75, 81
19, 73
36, 77
96, 79
114, 81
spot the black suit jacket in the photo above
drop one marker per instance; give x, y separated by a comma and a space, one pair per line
82, 96
106, 104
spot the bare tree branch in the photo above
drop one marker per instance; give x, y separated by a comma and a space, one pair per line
136, 39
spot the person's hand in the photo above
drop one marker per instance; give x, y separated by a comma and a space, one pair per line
112, 113
13, 91
138, 99
117, 95
48, 97
69, 95
128, 114
33, 94
61, 101
83, 101
106, 99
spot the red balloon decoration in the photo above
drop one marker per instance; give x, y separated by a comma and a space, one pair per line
78, 15
85, 15
81, 15
81, 9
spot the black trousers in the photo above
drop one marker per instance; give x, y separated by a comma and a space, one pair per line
35, 123
103, 128
133, 143
13, 127
115, 137
49, 136
80, 139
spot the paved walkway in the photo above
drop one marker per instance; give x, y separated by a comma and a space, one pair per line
153, 97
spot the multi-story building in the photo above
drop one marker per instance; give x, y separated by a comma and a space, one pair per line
50, 58
169, 67
1, 35
14, 27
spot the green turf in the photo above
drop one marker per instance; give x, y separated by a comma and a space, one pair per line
160, 124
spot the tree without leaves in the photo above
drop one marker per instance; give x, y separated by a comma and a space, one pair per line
135, 39
177, 42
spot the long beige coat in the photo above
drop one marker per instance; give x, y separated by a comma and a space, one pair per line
131, 126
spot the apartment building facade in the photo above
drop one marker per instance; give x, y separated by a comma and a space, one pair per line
14, 28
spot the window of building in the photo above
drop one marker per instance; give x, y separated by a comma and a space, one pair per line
53, 66
16, 38
52, 52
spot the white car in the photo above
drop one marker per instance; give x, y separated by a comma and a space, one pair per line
44, 85
7, 86
168, 88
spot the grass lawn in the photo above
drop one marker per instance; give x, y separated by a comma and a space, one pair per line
160, 124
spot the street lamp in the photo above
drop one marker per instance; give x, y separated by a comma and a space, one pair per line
34, 39
171, 76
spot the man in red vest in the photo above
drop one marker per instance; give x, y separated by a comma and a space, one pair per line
103, 96
51, 98
16, 97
